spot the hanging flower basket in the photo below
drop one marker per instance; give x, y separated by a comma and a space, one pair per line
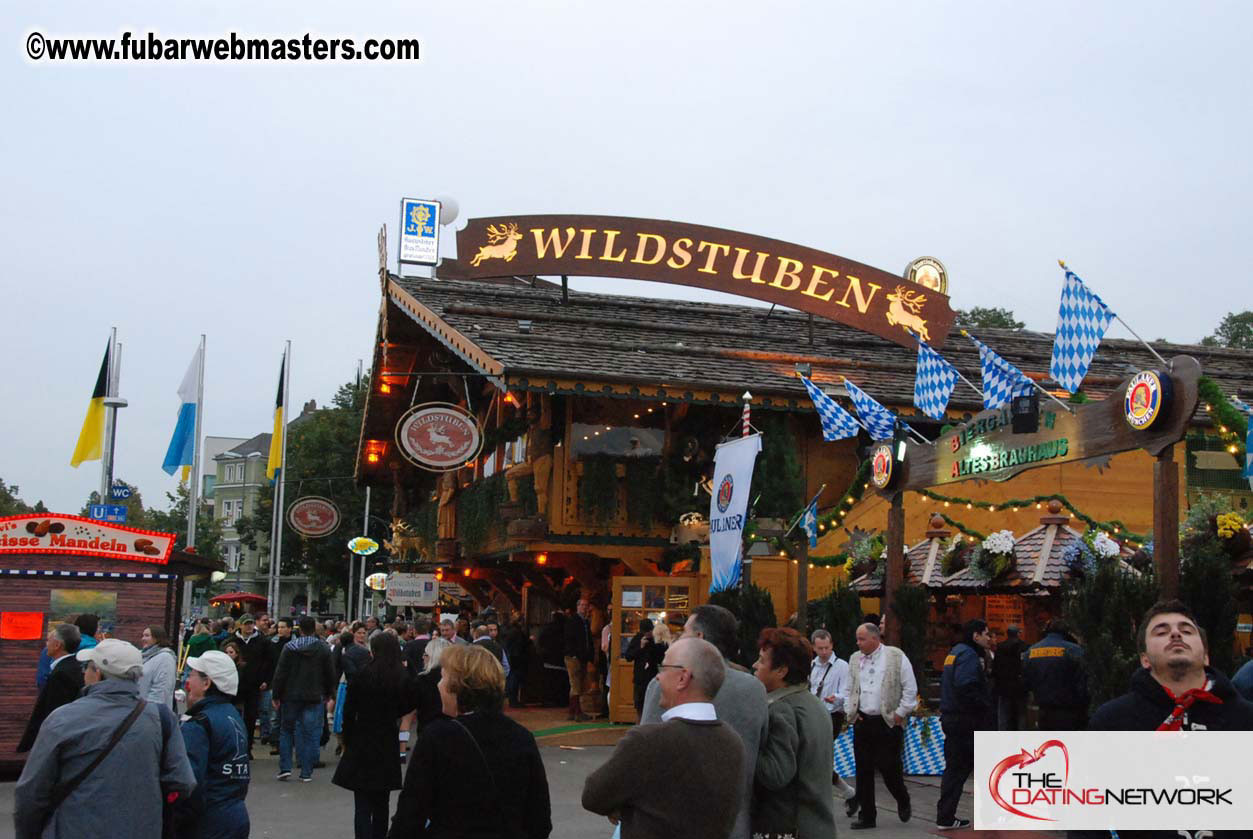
956, 556
995, 555
1233, 534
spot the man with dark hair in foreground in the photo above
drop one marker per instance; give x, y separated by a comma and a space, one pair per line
1175, 690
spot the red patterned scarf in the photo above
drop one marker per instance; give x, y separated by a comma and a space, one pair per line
1185, 701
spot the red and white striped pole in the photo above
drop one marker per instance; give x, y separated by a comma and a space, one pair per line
747, 412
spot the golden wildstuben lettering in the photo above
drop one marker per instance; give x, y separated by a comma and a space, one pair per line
553, 240
737, 273
790, 275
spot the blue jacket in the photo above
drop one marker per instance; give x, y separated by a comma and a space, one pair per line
1243, 681
217, 747
964, 690
1053, 670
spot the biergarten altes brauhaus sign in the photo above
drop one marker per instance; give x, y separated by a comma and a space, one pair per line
778, 272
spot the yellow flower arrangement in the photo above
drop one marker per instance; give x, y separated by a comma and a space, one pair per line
1229, 524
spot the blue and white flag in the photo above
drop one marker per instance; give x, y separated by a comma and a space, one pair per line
837, 423
182, 448
879, 421
1081, 323
1002, 381
934, 382
809, 523
1248, 439
728, 506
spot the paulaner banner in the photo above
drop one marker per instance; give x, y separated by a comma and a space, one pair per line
1187, 781
733, 476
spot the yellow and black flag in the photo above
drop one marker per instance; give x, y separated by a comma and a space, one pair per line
90, 444
275, 460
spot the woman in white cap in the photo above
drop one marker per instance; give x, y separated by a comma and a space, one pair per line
217, 746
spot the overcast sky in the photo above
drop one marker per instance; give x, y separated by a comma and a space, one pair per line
242, 201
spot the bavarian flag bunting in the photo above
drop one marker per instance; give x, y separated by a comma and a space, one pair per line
934, 382
1081, 323
837, 423
1248, 439
879, 421
1002, 381
90, 445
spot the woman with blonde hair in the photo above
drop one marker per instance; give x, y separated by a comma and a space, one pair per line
491, 783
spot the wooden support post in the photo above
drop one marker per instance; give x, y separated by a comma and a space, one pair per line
802, 588
895, 572
1166, 522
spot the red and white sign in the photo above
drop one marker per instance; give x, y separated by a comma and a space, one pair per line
313, 516
1192, 782
53, 533
438, 436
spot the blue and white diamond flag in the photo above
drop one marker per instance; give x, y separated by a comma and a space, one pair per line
837, 423
934, 383
1081, 323
879, 421
1002, 381
810, 523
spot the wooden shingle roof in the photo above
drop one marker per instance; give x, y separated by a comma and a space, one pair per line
729, 348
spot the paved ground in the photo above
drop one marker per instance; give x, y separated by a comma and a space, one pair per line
320, 809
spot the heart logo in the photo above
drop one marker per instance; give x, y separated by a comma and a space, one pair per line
1025, 758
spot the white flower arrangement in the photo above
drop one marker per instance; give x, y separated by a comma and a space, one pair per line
1105, 547
1000, 542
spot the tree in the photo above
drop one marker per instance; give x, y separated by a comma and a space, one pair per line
174, 520
136, 515
11, 503
1235, 330
754, 609
986, 318
321, 456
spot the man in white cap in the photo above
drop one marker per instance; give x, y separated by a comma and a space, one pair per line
217, 746
102, 764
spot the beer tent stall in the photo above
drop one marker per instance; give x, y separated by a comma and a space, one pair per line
54, 567
597, 415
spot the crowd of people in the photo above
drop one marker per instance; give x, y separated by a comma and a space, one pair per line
108, 753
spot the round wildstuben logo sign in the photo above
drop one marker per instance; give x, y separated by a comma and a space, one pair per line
438, 436
882, 466
313, 516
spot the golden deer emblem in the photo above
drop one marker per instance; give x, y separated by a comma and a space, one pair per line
905, 310
405, 542
502, 243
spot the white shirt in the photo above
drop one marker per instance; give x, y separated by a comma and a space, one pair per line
829, 678
700, 711
58, 660
871, 677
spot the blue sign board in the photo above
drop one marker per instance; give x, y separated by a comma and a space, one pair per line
115, 513
119, 492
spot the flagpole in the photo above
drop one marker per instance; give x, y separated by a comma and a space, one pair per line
280, 490
106, 462
1147, 345
969, 383
193, 480
1031, 382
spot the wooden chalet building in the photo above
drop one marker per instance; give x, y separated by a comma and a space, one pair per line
601, 414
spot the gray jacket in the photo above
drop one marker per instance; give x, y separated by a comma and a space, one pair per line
122, 796
794, 767
741, 704
159, 679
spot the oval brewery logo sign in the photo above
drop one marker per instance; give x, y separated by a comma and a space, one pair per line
313, 516
438, 437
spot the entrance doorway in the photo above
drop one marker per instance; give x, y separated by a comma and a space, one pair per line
660, 599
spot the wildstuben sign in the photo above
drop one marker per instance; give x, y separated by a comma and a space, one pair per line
783, 273
987, 448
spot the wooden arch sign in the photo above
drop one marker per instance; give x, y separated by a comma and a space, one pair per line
801, 278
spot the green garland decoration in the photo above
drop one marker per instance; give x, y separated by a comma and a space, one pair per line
477, 507
643, 496
598, 487
1114, 526
1229, 421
